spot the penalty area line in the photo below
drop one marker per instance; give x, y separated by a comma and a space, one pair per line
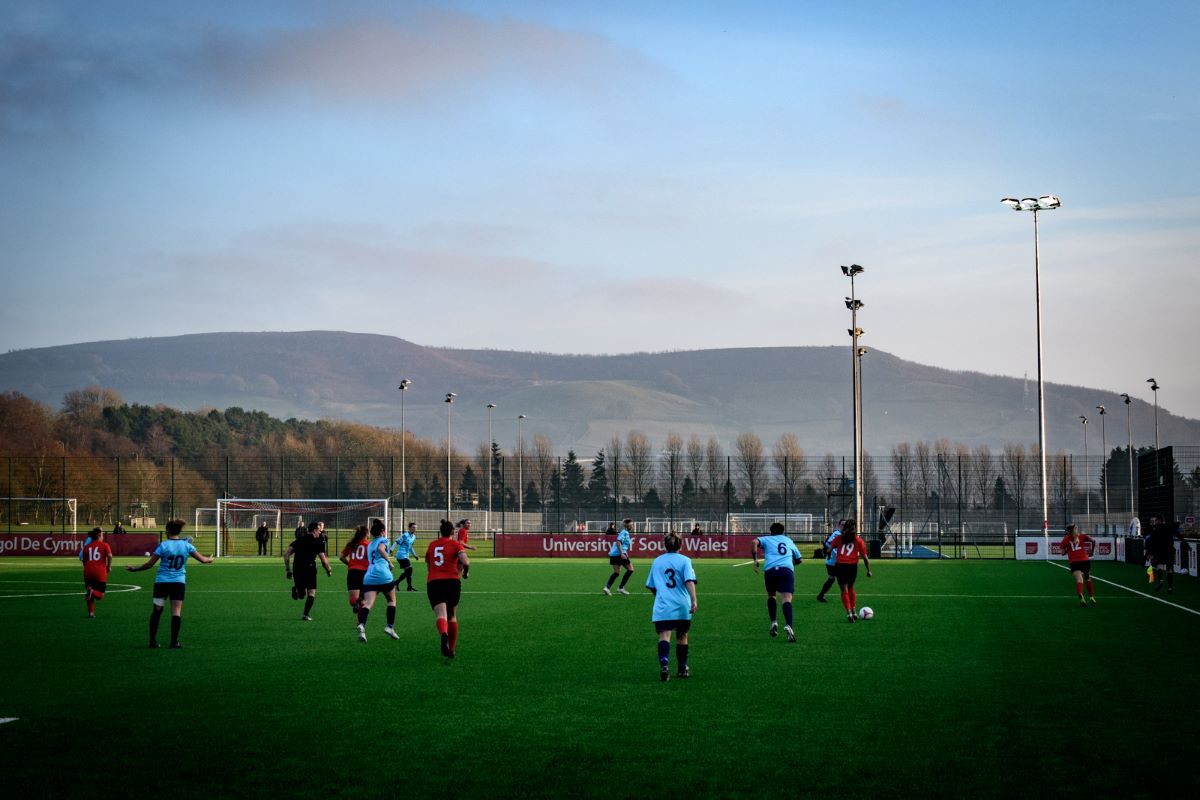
1135, 591
6, 720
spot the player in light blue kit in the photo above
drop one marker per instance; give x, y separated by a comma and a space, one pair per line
779, 557
672, 581
618, 556
404, 551
830, 562
378, 579
172, 555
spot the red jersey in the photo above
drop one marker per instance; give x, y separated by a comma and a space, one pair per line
96, 558
442, 558
464, 536
1078, 550
357, 558
850, 552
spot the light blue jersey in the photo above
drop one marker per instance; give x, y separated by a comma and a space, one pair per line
379, 569
831, 559
778, 551
172, 560
405, 546
668, 578
622, 545
86, 542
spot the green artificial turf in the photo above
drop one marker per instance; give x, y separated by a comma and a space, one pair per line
976, 678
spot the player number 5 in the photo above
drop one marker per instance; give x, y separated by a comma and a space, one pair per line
438, 557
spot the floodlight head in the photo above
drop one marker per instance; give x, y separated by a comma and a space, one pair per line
1048, 201
1128, 399
450, 397
854, 331
404, 384
852, 270
1085, 419
1012, 203
491, 405
1102, 410
862, 351
1153, 384
854, 304
521, 416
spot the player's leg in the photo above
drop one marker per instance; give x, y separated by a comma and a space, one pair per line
843, 580
437, 602
769, 583
1077, 574
453, 595
681, 647
390, 595
176, 616
830, 579
366, 602
664, 649
616, 570
785, 601
160, 600
310, 592
628, 565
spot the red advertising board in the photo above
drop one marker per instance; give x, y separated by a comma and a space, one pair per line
583, 545
68, 544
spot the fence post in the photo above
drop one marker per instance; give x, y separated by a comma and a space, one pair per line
117, 509
785, 488
172, 514
63, 526
10, 493
728, 489
961, 533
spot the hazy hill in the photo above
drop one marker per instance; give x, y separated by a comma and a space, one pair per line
580, 401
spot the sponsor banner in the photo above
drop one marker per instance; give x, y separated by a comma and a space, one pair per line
575, 545
69, 544
1030, 548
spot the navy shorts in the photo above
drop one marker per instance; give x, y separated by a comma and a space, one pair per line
780, 579
680, 626
444, 590
618, 561
171, 591
831, 570
95, 585
847, 574
379, 587
403, 563
1082, 566
354, 579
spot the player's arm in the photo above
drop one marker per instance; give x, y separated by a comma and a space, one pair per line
153, 560
866, 561
107, 560
464, 564
691, 587
754, 552
796, 557
325, 562
344, 557
202, 559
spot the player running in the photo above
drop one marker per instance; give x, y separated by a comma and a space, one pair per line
849, 547
464, 534
354, 556
171, 579
1160, 551
378, 578
404, 550
780, 556
830, 562
618, 556
307, 549
97, 561
672, 581
1078, 547
446, 561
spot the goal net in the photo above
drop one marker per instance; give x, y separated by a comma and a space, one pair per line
237, 519
49, 513
761, 523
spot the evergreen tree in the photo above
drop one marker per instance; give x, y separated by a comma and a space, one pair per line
687, 494
652, 503
597, 487
533, 501
416, 495
572, 482
468, 486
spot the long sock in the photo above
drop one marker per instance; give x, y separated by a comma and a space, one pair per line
625, 579
846, 600
828, 585
354, 606
155, 615
853, 597
453, 631
391, 616
771, 608
1091, 589
176, 622
681, 651
91, 604
363, 613
787, 614
408, 576
664, 652
442, 625
612, 579
308, 604
1079, 589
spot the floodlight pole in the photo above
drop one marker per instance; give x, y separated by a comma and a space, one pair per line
1154, 388
488, 523
1087, 479
853, 303
404, 384
1104, 463
1129, 451
449, 402
1035, 205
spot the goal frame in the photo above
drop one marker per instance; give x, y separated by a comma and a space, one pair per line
71, 505
299, 506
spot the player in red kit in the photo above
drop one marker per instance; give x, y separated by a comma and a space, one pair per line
446, 560
97, 561
354, 556
849, 547
1078, 547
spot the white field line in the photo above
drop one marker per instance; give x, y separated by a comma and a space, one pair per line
6, 720
743, 564
128, 587
1135, 591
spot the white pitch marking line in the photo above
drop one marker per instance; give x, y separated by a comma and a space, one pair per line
5, 720
744, 563
1135, 591
128, 587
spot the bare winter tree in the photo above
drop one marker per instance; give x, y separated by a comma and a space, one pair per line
829, 474
789, 461
640, 462
751, 464
903, 469
926, 469
983, 475
543, 466
617, 467
694, 459
714, 469
1015, 467
673, 467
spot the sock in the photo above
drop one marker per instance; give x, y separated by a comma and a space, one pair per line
664, 652
154, 617
308, 603
1079, 589
826, 587
681, 651
175, 623
1091, 589
612, 579
408, 576
354, 605
363, 613
853, 597
453, 631
625, 579
771, 608
787, 614
391, 616
91, 604
442, 626
846, 600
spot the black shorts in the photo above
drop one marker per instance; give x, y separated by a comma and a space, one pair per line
1082, 566
680, 626
95, 585
847, 574
354, 579
1166, 559
171, 591
444, 590
831, 570
779, 579
305, 577
378, 587
403, 563
618, 561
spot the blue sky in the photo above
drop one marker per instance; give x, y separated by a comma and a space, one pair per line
611, 177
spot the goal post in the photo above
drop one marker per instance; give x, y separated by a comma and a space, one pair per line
761, 523
237, 518
59, 513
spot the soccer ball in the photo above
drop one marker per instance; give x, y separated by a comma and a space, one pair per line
865, 612
147, 554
